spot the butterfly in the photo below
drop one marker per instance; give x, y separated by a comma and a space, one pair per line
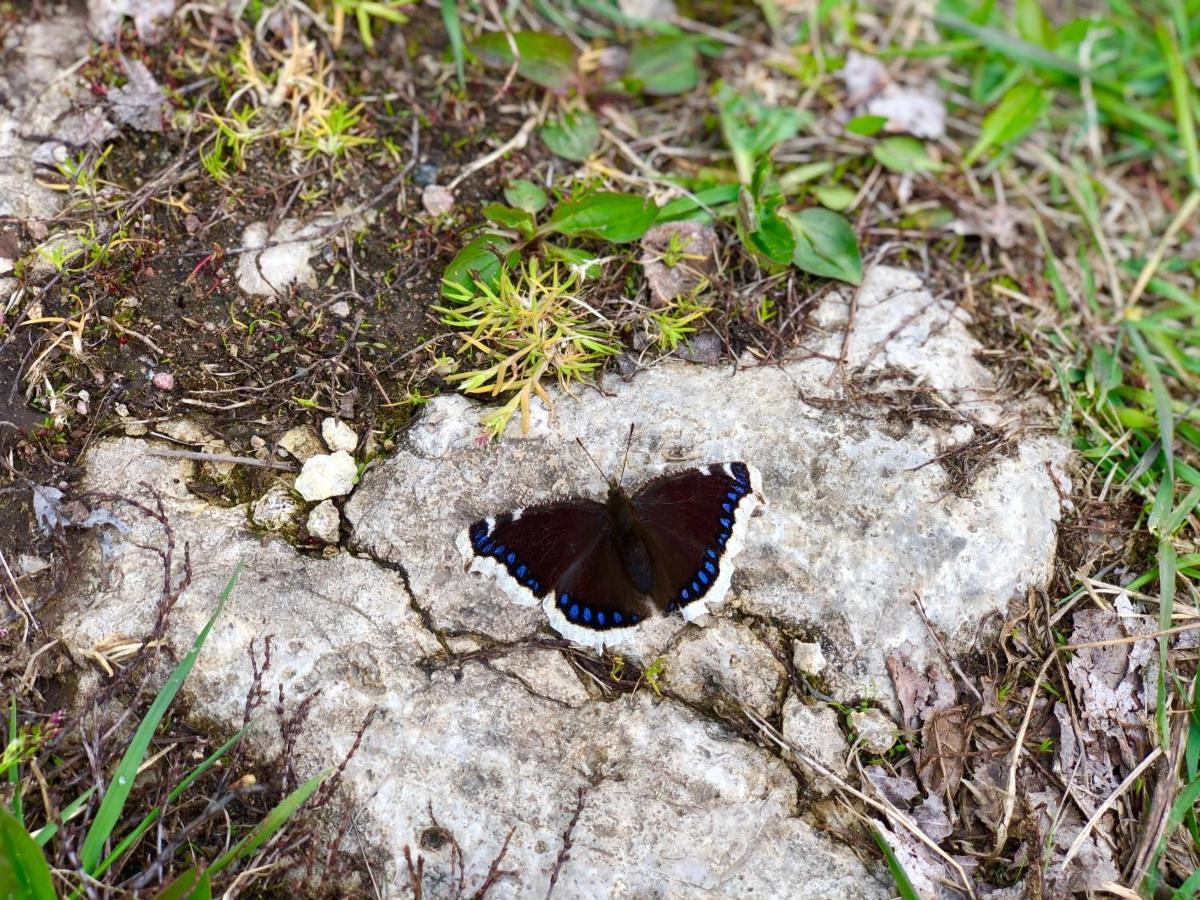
598, 568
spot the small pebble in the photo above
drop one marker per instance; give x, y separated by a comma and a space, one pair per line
876, 732
341, 309
424, 174
164, 381
437, 200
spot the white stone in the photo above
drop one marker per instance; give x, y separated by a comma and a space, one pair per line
30, 564
284, 261
726, 661
327, 475
325, 522
338, 435
276, 509
876, 732
437, 200
301, 443
808, 658
815, 730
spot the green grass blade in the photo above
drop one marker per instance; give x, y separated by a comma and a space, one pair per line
1181, 90
47, 831
1166, 604
156, 813
904, 887
122, 782
1013, 48
454, 32
1179, 809
1188, 889
1162, 403
23, 870
189, 885
271, 823
14, 771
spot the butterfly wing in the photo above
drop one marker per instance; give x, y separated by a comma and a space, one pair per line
561, 554
694, 523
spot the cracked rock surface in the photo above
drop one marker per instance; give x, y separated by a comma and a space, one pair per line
861, 515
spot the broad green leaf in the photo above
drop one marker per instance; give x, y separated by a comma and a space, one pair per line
834, 196
901, 153
867, 126
752, 129
121, 784
825, 245
480, 260
1017, 112
510, 217
664, 66
545, 59
1033, 25
574, 135
188, 885
619, 218
271, 823
524, 194
23, 870
773, 239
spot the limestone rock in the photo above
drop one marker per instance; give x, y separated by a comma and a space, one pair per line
276, 509
325, 522
301, 443
808, 658
338, 435
283, 261
876, 731
488, 745
726, 657
327, 475
860, 514
815, 730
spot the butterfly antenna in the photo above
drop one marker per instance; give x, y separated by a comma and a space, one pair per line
592, 458
625, 459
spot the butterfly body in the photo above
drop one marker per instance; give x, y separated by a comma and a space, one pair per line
599, 568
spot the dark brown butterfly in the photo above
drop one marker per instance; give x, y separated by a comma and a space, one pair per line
599, 567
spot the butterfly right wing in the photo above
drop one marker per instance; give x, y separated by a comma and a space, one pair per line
562, 555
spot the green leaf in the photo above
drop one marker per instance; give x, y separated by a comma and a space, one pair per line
1162, 404
664, 66
47, 831
509, 217
458, 47
545, 59
23, 869
834, 196
121, 784
619, 218
752, 129
825, 245
901, 153
773, 239
480, 260
190, 884
697, 205
524, 194
1016, 113
904, 885
271, 823
574, 135
867, 126
575, 258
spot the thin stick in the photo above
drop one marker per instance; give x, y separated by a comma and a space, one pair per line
1104, 807
516, 142
1010, 790
129, 332
223, 458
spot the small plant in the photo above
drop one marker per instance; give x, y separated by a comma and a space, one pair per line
653, 672
528, 325
364, 12
331, 132
25, 871
678, 320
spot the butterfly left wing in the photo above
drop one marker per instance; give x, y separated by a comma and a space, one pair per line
562, 555
694, 524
